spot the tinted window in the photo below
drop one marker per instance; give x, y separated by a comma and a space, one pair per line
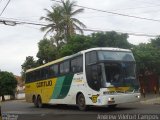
114, 55
37, 75
53, 70
28, 77
77, 64
93, 79
64, 67
44, 73
91, 57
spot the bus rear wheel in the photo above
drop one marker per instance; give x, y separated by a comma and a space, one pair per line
39, 102
35, 101
81, 102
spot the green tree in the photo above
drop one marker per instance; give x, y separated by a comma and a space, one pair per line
147, 56
81, 42
8, 84
71, 24
61, 21
110, 39
156, 42
76, 44
54, 19
28, 63
47, 51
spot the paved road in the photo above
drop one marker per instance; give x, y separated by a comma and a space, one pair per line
26, 111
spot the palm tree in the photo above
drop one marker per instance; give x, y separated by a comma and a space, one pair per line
71, 24
61, 19
54, 18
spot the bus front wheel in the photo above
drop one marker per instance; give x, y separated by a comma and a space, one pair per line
81, 102
112, 106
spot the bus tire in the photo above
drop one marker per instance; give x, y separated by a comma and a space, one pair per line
34, 101
39, 102
112, 106
81, 102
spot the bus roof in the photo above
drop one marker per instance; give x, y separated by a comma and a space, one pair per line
79, 53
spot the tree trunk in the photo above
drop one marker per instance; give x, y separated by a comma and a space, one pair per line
3, 98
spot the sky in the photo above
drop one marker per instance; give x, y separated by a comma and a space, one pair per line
17, 42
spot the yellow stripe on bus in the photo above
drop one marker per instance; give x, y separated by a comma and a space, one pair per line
119, 89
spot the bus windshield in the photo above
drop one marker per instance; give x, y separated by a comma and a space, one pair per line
120, 74
119, 69
115, 55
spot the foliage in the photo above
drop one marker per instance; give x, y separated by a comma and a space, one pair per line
62, 22
156, 42
71, 24
81, 42
147, 56
8, 83
28, 63
47, 51
76, 44
110, 39
54, 19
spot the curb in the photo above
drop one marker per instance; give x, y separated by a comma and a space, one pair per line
151, 101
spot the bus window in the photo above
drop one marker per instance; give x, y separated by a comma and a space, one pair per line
27, 78
77, 64
93, 78
53, 70
64, 67
37, 76
91, 57
44, 73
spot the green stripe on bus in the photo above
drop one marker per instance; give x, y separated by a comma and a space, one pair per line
58, 87
66, 86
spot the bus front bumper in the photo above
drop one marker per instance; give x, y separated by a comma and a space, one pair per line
119, 98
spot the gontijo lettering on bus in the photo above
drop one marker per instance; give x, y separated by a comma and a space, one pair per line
44, 83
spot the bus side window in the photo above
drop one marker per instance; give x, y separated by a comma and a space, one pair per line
27, 77
91, 57
45, 73
42, 74
77, 64
53, 70
37, 75
65, 67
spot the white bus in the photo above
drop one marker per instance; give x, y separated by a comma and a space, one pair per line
93, 77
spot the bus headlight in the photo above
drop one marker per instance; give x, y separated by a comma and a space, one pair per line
110, 99
138, 96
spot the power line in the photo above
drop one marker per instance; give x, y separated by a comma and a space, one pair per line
15, 22
114, 13
18, 19
5, 7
